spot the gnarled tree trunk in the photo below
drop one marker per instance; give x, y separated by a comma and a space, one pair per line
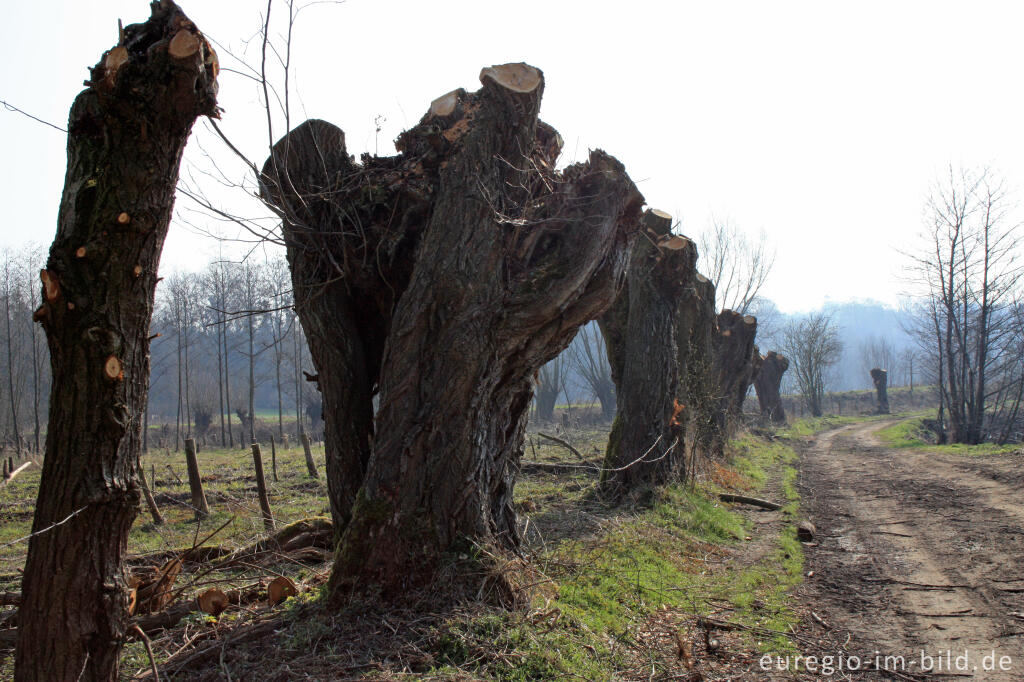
641, 331
698, 325
127, 134
442, 279
734, 367
880, 377
767, 383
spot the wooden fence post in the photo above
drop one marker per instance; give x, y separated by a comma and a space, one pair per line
310, 464
261, 487
273, 458
154, 511
194, 482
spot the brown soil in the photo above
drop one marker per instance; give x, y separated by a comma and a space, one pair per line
916, 551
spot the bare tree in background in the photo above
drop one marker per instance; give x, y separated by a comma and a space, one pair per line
11, 296
550, 380
879, 352
588, 356
812, 345
737, 265
968, 271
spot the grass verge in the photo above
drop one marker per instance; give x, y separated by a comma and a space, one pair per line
912, 433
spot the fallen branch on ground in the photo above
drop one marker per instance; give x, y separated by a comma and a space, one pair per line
563, 443
756, 501
10, 476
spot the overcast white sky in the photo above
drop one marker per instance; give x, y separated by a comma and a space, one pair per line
821, 123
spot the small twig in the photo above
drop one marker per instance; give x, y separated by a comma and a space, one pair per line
149, 650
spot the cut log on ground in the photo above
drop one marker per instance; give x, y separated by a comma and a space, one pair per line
126, 134
441, 279
171, 616
755, 501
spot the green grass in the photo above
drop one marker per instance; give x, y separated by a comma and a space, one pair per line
596, 589
229, 481
912, 433
808, 426
604, 588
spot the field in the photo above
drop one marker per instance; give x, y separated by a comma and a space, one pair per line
600, 591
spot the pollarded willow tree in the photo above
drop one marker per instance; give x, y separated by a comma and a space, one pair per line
736, 363
641, 331
440, 280
767, 383
127, 132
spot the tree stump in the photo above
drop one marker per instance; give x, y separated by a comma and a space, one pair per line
441, 280
126, 134
880, 378
767, 383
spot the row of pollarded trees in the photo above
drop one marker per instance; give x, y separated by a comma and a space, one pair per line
431, 285
681, 372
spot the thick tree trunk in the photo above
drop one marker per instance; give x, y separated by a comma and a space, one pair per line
698, 326
442, 278
734, 368
767, 383
548, 386
880, 378
127, 134
606, 396
641, 331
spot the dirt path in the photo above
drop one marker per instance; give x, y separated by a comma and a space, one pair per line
916, 552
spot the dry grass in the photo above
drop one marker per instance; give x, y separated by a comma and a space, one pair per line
598, 591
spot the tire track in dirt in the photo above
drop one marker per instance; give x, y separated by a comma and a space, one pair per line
916, 551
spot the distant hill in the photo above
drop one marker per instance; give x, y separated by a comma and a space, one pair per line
861, 323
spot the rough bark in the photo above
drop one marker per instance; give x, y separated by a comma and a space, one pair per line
641, 330
767, 383
443, 279
127, 132
880, 377
734, 367
698, 324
